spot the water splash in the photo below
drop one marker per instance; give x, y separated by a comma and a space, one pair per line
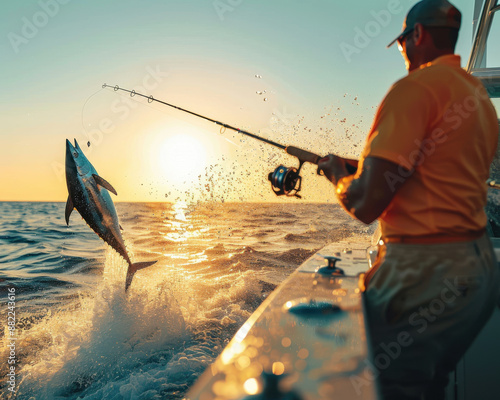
99, 338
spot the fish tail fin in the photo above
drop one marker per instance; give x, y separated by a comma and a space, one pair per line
133, 268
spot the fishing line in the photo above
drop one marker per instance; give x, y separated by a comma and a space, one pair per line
84, 104
121, 95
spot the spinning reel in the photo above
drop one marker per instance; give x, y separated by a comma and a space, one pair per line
286, 181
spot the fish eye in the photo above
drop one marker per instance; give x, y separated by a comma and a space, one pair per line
75, 154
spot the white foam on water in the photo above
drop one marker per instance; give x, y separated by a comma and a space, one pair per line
151, 342
100, 338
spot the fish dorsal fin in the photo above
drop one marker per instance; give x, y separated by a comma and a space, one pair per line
105, 184
69, 209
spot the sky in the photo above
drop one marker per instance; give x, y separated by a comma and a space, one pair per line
307, 74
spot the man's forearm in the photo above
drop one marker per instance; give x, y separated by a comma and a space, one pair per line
366, 194
351, 196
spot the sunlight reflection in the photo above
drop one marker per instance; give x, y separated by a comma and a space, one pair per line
180, 208
180, 228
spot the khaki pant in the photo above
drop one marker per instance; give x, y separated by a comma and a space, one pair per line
425, 305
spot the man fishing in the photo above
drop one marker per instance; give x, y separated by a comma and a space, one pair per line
422, 174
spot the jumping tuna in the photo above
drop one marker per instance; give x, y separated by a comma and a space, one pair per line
88, 193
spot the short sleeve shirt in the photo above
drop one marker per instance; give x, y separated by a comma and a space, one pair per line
439, 122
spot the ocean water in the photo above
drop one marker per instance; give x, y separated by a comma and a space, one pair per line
79, 336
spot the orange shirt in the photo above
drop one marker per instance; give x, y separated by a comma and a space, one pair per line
440, 121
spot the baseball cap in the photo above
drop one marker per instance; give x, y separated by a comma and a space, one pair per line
439, 13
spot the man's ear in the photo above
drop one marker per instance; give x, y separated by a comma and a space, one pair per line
418, 33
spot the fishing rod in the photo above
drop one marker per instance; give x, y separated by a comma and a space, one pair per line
284, 181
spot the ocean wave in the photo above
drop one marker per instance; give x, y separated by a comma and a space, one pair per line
82, 337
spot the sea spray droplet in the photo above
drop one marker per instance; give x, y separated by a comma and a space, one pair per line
88, 144
258, 76
265, 98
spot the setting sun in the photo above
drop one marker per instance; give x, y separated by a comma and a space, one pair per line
182, 158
